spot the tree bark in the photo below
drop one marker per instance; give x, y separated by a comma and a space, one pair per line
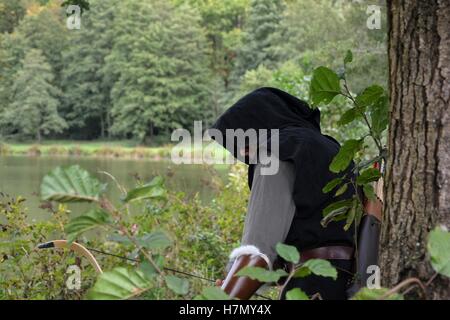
417, 185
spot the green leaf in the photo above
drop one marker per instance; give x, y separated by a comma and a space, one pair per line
296, 294
214, 293
379, 114
375, 294
369, 191
369, 96
156, 240
351, 214
324, 86
321, 267
348, 57
302, 272
345, 155
341, 190
120, 283
288, 253
119, 238
92, 219
178, 285
341, 205
72, 184
261, 274
351, 115
153, 190
336, 211
367, 176
331, 185
439, 250
148, 269
336, 216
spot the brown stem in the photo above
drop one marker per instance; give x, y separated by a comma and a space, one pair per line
107, 205
403, 284
366, 120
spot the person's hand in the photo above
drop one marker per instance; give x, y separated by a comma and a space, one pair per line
219, 282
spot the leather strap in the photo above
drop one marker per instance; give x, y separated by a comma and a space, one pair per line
328, 253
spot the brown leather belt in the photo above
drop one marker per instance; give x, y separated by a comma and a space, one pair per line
328, 253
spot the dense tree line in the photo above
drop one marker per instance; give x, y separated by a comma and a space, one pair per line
138, 69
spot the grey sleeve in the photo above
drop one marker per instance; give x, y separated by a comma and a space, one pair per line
271, 209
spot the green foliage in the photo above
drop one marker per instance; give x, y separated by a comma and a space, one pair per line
27, 273
336, 211
318, 267
324, 86
119, 284
288, 253
178, 285
44, 29
11, 12
331, 185
138, 69
368, 175
379, 115
167, 61
72, 184
261, 274
83, 4
152, 190
296, 294
90, 220
75, 184
376, 294
156, 240
213, 293
288, 77
34, 112
85, 82
368, 108
262, 22
345, 155
369, 96
439, 250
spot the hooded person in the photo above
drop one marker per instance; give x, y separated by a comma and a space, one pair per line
286, 202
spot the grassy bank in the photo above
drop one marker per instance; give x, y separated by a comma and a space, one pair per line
105, 149
113, 149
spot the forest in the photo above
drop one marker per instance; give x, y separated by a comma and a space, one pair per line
139, 69
92, 90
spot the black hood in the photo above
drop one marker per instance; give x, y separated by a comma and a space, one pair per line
268, 108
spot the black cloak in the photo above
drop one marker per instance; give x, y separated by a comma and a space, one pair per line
302, 143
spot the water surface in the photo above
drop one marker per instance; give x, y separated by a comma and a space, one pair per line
23, 175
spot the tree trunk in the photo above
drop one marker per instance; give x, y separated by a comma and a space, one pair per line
418, 169
108, 124
38, 136
102, 127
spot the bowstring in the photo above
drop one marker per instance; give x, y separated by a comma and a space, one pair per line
165, 268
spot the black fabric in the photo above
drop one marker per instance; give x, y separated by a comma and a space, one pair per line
311, 152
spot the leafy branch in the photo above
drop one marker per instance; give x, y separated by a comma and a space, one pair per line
74, 184
369, 107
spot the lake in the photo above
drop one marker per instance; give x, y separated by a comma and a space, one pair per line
23, 175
